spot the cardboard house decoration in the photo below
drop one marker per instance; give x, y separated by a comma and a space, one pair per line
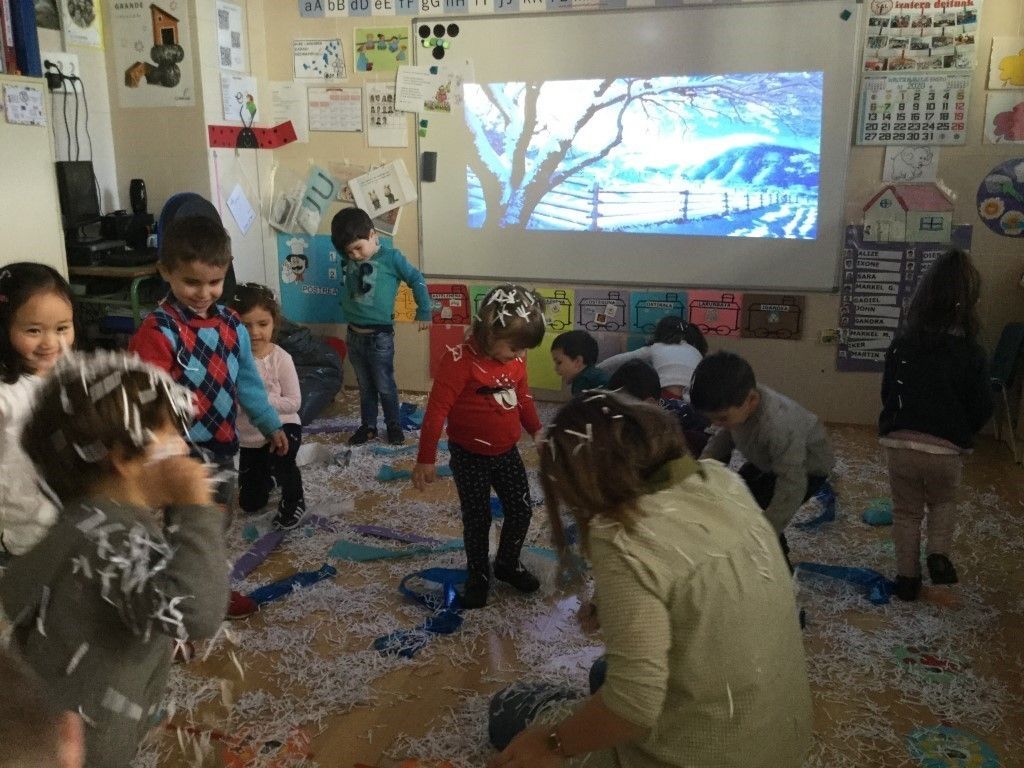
909, 213
165, 27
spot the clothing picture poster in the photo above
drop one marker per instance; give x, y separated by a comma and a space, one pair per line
601, 310
646, 308
1006, 65
932, 35
540, 369
558, 307
384, 188
310, 271
82, 22
715, 313
231, 37
380, 49
318, 59
1004, 117
449, 303
913, 109
878, 280
405, 304
771, 316
153, 55
385, 126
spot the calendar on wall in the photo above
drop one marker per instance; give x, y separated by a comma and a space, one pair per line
913, 109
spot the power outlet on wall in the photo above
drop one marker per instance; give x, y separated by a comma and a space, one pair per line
68, 63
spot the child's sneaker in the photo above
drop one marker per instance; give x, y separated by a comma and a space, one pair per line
518, 577
395, 435
474, 593
907, 587
362, 435
287, 519
941, 570
241, 606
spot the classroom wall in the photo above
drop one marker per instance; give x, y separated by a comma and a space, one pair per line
804, 369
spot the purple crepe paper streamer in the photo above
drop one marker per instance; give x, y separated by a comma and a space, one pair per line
390, 533
323, 523
256, 554
345, 426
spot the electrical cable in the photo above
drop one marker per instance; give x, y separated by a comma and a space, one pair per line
67, 128
78, 143
85, 100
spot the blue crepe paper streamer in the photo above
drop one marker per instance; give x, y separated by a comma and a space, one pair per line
940, 746
445, 620
875, 586
389, 474
410, 418
360, 553
278, 589
879, 512
826, 498
250, 533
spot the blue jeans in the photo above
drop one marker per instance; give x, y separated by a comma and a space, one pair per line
373, 358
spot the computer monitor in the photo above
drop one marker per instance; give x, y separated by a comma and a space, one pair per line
79, 197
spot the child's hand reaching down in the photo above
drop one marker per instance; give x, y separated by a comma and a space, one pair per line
423, 474
278, 443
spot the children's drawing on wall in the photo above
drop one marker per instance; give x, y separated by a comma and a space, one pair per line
1004, 117
751, 168
166, 77
383, 189
47, 15
602, 310
380, 49
82, 23
318, 59
1006, 66
910, 164
309, 278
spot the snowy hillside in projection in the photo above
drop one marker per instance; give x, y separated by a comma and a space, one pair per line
713, 155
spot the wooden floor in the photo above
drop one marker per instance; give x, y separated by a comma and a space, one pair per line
304, 669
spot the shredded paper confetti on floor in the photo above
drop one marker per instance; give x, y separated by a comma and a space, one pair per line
300, 682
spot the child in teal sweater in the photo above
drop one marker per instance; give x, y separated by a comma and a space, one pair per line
371, 273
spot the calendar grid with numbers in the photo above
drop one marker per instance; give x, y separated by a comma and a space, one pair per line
913, 109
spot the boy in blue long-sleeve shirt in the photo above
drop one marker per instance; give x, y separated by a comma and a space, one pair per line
371, 274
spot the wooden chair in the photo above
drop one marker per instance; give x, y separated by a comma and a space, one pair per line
1006, 378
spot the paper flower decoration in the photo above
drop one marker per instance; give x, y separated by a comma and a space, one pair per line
991, 208
1011, 70
1012, 223
1009, 125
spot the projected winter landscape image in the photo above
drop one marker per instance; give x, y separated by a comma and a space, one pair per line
732, 155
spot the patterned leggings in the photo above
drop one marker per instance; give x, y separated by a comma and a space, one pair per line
474, 476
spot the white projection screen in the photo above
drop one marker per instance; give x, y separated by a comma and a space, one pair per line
698, 145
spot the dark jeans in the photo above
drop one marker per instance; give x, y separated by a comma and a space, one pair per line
514, 708
256, 467
475, 475
373, 359
762, 488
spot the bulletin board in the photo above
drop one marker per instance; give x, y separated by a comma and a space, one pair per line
748, 202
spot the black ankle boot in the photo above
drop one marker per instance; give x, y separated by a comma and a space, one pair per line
941, 570
908, 587
474, 593
518, 577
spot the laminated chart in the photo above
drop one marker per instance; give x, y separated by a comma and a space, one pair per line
449, 303
878, 280
771, 316
648, 307
715, 313
602, 310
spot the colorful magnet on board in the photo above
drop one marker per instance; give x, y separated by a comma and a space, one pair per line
433, 70
423, 123
453, 30
845, 15
438, 53
439, 30
424, 30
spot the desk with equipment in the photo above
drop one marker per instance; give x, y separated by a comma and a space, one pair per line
121, 287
